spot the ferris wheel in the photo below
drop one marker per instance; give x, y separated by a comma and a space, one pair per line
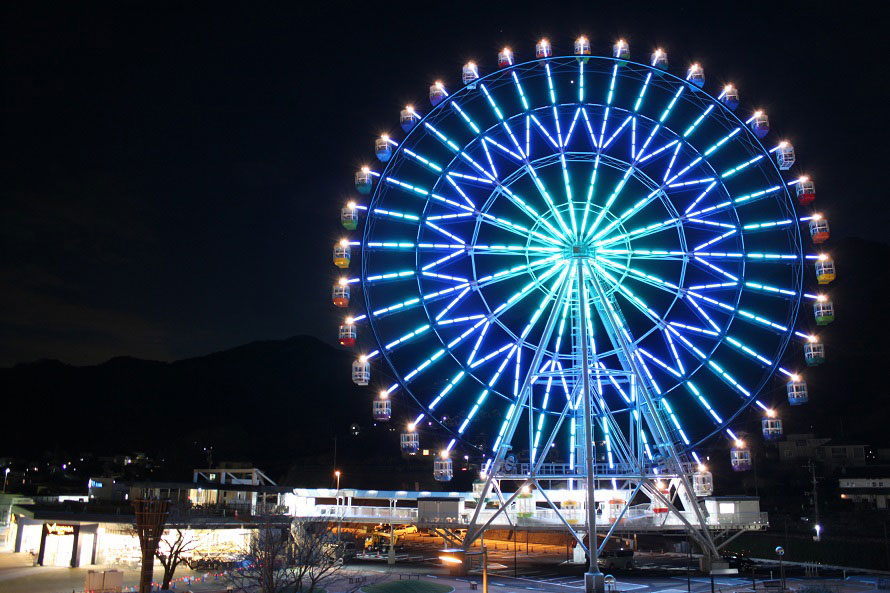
584, 225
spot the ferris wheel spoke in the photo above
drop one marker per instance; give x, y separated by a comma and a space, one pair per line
688, 132
664, 115
609, 95
590, 190
652, 229
745, 315
642, 277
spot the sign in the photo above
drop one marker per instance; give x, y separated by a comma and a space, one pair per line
58, 529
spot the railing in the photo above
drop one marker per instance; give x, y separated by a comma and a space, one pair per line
638, 517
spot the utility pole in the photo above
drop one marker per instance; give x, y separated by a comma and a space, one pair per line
816, 501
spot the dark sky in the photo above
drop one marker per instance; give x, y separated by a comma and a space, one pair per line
171, 175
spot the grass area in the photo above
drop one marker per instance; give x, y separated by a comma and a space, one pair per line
408, 587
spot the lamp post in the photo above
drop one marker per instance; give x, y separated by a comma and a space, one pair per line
459, 556
5, 477
339, 511
780, 551
337, 475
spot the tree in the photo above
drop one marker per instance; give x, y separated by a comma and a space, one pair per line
171, 553
283, 556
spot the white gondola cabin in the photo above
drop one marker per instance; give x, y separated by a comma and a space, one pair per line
409, 441
361, 371
383, 148
340, 293
806, 191
621, 50
470, 73
342, 254
825, 273
505, 57
730, 97
437, 93
702, 482
740, 457
696, 75
543, 49
797, 391
408, 118
659, 59
823, 310
364, 181
785, 155
819, 229
759, 124
814, 352
382, 408
443, 469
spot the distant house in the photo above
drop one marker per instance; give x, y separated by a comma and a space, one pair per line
833, 453
867, 487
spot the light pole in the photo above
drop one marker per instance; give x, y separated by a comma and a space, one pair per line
337, 475
5, 477
339, 510
459, 556
780, 551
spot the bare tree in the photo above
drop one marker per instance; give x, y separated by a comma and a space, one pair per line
171, 553
283, 557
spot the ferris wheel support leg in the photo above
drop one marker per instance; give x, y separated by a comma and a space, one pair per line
593, 578
524, 393
672, 456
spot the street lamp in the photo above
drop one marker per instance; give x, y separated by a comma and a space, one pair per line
780, 551
5, 477
455, 556
337, 475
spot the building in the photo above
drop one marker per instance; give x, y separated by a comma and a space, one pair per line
217, 510
833, 453
867, 487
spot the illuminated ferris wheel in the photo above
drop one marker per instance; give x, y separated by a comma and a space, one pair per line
584, 225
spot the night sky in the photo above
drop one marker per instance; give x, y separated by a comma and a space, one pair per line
172, 175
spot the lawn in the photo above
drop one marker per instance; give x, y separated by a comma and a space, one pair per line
407, 587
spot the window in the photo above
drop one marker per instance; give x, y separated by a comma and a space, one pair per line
726, 508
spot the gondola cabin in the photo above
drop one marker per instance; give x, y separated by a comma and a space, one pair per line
342, 254
696, 75
824, 269
340, 294
759, 124
659, 59
582, 48
361, 371
819, 229
409, 441
543, 49
443, 469
785, 155
349, 216
797, 391
806, 191
814, 352
730, 97
702, 482
347, 333
621, 51
823, 310
364, 181
505, 57
383, 148
740, 457
408, 118
382, 408
437, 93
771, 426
470, 73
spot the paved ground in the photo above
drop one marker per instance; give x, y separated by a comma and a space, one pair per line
537, 570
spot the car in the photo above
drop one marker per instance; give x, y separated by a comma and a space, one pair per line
738, 560
611, 559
